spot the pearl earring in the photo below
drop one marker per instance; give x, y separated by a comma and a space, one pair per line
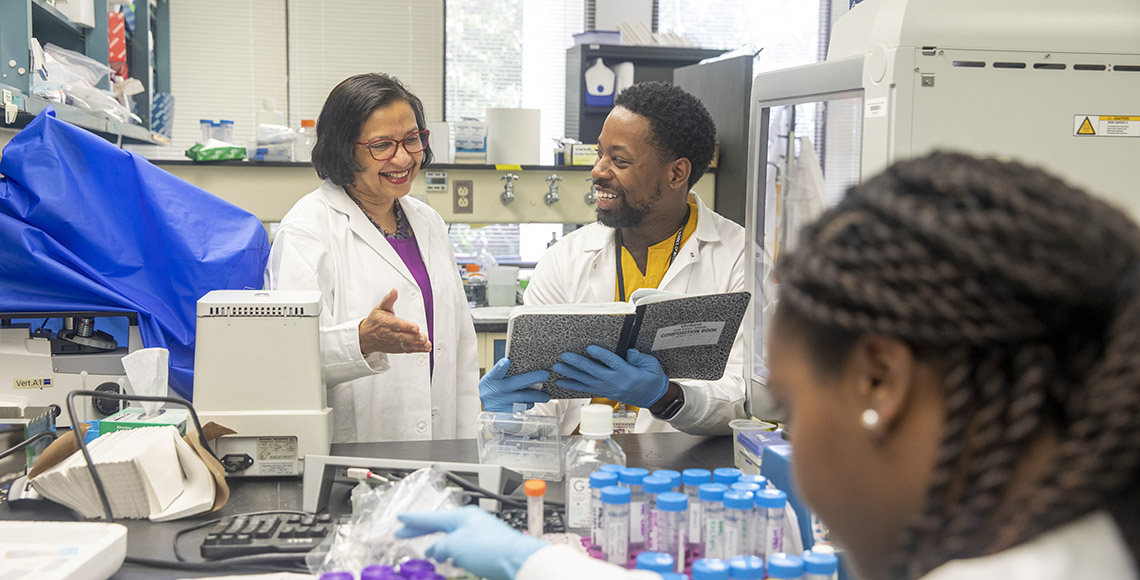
870, 419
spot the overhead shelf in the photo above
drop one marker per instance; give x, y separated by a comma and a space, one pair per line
31, 105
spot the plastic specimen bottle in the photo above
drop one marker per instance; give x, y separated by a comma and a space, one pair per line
820, 565
651, 486
692, 479
615, 522
712, 509
585, 455
535, 490
710, 569
745, 567
659, 562
632, 477
738, 507
337, 575
598, 480
306, 138
752, 478
416, 568
771, 502
755, 522
378, 572
783, 566
672, 525
674, 477
726, 475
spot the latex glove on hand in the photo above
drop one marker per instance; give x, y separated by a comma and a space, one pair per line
635, 380
476, 541
499, 394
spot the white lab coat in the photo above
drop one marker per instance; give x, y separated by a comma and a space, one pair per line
326, 243
581, 268
1090, 547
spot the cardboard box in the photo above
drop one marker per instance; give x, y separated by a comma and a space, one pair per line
133, 418
583, 154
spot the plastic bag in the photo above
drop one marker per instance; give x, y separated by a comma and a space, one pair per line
72, 78
369, 537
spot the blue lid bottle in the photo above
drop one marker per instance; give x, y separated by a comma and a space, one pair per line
659, 562
745, 567
633, 475
726, 475
615, 494
710, 569
785, 566
751, 478
614, 467
739, 500
823, 564
672, 501
673, 475
746, 486
771, 498
696, 476
656, 484
711, 491
600, 479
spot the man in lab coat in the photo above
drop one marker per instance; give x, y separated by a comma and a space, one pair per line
655, 144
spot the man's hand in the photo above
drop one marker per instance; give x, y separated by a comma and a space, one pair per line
636, 380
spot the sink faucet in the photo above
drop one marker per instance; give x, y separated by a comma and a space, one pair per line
592, 195
551, 196
508, 194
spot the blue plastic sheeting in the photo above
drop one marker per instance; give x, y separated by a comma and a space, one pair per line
87, 226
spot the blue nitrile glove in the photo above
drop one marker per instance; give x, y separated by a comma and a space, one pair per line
499, 395
638, 380
476, 541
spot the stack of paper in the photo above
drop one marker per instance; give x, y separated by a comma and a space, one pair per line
147, 473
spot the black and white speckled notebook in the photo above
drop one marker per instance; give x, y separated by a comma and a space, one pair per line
690, 335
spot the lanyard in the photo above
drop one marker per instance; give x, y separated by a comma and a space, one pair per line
676, 250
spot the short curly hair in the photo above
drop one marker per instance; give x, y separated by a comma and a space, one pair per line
679, 124
345, 111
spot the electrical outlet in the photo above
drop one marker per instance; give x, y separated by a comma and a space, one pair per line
463, 198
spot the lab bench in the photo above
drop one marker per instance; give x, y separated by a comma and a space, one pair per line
153, 540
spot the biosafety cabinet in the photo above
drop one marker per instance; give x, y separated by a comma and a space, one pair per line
1051, 83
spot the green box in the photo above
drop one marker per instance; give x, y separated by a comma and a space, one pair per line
132, 418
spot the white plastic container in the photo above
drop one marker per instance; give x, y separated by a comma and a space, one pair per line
615, 521
712, 514
673, 526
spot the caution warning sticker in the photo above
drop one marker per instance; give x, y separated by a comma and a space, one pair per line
1106, 125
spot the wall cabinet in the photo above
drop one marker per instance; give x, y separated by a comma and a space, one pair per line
650, 63
21, 20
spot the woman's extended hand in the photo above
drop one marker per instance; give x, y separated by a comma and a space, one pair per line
382, 331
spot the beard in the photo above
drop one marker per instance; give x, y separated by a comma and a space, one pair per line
625, 216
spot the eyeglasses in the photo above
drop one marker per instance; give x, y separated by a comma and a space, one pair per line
385, 149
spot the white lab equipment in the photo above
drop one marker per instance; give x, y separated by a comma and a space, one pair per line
41, 362
257, 370
527, 443
1049, 83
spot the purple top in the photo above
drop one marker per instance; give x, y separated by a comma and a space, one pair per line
410, 253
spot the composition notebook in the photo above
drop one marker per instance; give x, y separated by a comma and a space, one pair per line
691, 335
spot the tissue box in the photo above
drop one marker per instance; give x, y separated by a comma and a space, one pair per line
132, 418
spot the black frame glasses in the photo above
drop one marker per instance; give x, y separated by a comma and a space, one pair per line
385, 149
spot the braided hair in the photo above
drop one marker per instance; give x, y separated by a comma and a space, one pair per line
1024, 292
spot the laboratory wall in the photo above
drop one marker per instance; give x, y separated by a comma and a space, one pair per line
269, 192
228, 56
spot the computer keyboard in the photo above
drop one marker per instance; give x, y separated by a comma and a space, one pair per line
283, 533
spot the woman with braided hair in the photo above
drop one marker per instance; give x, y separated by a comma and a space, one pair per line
957, 347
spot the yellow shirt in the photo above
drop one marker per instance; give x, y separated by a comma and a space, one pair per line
656, 265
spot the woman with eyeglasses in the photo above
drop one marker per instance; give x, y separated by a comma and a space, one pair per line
397, 342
